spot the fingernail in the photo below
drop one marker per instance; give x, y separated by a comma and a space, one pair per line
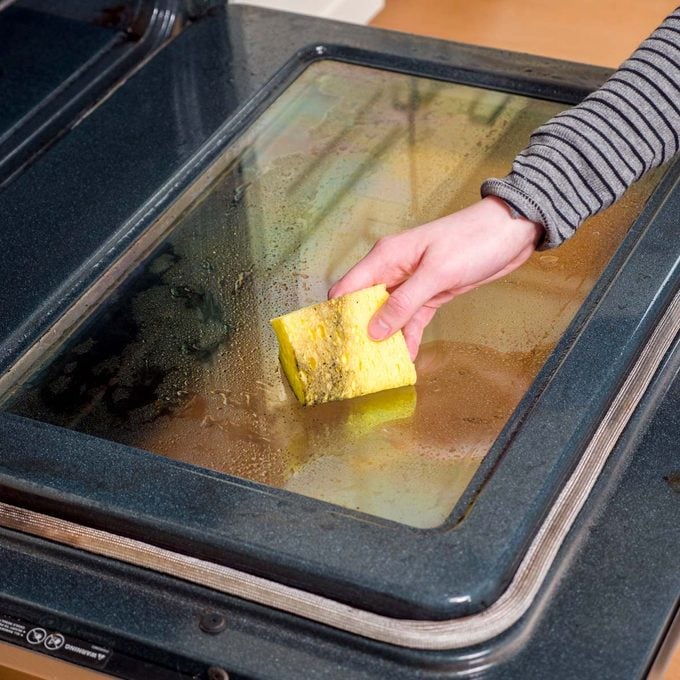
378, 329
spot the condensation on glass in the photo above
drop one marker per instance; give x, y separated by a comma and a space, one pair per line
179, 357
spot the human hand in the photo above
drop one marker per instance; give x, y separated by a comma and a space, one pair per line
429, 265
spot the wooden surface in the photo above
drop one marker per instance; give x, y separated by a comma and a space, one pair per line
17, 663
602, 32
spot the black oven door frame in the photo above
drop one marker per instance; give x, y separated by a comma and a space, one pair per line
234, 63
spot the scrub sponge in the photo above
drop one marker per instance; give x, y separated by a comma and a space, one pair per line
326, 352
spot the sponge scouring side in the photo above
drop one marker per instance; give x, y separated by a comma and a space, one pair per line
327, 354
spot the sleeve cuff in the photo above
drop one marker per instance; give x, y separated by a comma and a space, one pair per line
522, 205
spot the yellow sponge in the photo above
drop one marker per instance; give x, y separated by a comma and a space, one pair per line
326, 352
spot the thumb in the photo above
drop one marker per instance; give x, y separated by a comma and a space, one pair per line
401, 306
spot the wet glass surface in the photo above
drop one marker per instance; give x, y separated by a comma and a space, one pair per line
180, 359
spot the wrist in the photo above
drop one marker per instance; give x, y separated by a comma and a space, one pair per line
516, 225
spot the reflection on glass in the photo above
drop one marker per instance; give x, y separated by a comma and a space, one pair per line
180, 359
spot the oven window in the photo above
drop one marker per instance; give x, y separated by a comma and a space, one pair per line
178, 356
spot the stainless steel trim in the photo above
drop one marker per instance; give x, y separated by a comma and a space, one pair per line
456, 633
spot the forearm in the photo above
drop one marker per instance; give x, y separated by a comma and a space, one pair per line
584, 159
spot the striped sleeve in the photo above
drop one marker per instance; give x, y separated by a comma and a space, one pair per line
584, 159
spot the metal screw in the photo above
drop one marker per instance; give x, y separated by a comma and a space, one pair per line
217, 673
212, 622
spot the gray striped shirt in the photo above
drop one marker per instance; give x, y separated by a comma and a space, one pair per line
583, 159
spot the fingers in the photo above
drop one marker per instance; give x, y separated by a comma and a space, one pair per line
364, 274
390, 261
402, 305
413, 330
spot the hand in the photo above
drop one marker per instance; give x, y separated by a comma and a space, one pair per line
426, 266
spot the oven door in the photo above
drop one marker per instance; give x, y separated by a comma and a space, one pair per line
147, 429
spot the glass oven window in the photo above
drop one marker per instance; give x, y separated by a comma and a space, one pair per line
177, 355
